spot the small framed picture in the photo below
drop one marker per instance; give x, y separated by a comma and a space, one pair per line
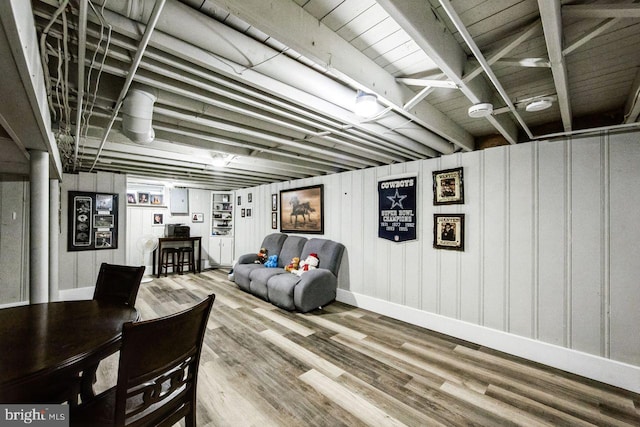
250, 197
248, 212
274, 202
158, 219
242, 212
239, 200
131, 198
103, 239
103, 221
448, 231
197, 217
143, 198
156, 199
104, 202
274, 220
448, 187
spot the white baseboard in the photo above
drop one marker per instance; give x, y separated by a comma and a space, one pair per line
587, 365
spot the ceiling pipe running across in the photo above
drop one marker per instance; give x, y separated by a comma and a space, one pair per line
245, 53
82, 47
153, 20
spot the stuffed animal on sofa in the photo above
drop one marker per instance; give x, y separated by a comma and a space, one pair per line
272, 262
293, 265
311, 262
262, 256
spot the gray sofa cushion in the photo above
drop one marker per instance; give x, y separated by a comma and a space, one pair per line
329, 253
259, 278
245, 265
292, 247
280, 290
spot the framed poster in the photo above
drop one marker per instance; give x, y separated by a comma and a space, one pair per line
274, 220
448, 187
301, 210
448, 231
274, 202
397, 204
92, 221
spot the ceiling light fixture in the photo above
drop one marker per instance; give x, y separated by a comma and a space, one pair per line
480, 110
366, 104
538, 105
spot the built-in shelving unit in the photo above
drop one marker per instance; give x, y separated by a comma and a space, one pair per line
221, 240
222, 214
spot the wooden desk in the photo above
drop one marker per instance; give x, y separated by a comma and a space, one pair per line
157, 253
49, 344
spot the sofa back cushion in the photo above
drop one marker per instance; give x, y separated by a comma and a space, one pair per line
273, 243
292, 247
329, 253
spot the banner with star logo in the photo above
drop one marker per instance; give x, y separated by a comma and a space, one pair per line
397, 209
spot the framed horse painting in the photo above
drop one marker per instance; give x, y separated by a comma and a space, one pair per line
302, 210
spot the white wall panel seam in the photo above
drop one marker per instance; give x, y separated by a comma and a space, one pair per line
535, 241
481, 235
506, 318
606, 242
568, 264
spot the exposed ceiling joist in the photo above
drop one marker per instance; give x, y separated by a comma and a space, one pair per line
552, 24
601, 11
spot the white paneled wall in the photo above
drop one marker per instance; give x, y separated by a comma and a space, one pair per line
140, 223
79, 269
551, 251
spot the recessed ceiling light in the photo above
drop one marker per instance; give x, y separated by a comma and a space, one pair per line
538, 105
480, 110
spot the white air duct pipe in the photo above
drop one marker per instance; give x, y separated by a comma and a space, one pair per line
245, 52
137, 114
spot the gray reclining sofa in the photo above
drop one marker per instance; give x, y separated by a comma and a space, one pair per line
312, 289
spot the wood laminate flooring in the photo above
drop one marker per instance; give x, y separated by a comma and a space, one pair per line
344, 366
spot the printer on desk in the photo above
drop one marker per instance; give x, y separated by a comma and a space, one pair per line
177, 230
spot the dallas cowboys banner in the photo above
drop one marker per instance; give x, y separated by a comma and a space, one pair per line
397, 209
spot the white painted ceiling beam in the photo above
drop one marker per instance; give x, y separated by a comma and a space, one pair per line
262, 103
521, 62
498, 54
292, 25
601, 11
552, 25
443, 84
419, 21
632, 106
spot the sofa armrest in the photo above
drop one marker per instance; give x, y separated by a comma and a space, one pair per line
247, 259
316, 288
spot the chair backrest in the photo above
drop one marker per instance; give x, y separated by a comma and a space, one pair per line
158, 368
273, 243
292, 247
118, 283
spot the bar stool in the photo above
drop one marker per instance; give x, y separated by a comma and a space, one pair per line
189, 261
169, 257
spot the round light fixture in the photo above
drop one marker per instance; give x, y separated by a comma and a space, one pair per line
538, 105
366, 104
480, 110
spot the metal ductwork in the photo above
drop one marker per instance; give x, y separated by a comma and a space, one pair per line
137, 114
244, 53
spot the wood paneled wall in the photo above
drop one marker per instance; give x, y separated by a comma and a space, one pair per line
551, 251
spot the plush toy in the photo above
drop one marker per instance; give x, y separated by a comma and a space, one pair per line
293, 265
272, 262
262, 256
311, 262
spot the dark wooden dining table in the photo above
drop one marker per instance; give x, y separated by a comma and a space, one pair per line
44, 345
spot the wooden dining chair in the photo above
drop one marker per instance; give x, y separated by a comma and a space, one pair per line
157, 373
118, 283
